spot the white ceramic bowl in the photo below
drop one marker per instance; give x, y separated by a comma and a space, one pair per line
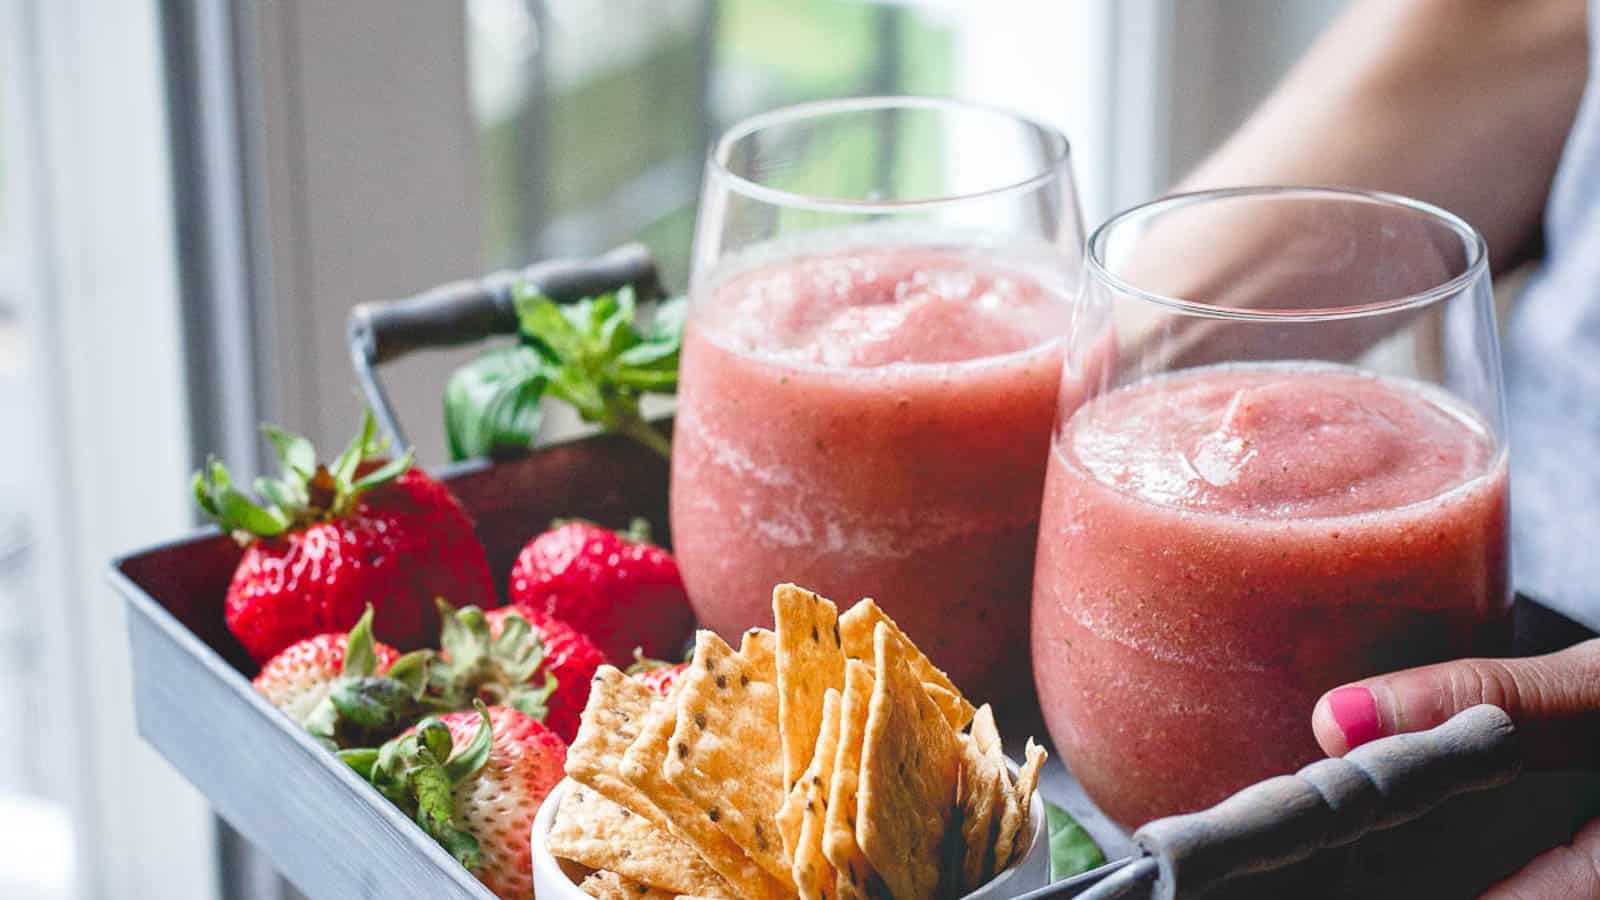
1031, 871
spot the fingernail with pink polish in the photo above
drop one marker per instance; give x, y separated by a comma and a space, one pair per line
1355, 711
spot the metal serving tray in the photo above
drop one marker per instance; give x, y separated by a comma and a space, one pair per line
322, 827
335, 837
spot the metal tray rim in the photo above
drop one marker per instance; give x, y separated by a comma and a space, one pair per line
353, 785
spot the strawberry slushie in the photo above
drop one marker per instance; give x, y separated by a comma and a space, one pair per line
1221, 545
873, 422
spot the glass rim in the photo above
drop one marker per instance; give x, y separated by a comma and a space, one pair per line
1060, 152
1477, 263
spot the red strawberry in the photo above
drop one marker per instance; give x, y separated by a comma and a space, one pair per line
518, 658
620, 591
332, 539
473, 780
345, 688
657, 675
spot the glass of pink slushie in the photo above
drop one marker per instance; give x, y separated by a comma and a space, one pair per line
1290, 473
879, 299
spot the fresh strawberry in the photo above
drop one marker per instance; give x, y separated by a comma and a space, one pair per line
345, 688
331, 539
518, 658
618, 590
655, 674
473, 780
568, 656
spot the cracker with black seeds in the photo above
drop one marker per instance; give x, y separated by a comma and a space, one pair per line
856, 629
606, 885
611, 723
595, 832
1011, 842
725, 755
810, 663
642, 767
980, 799
814, 876
910, 763
839, 844
791, 816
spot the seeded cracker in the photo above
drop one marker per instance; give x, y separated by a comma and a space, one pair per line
813, 877
855, 631
594, 832
910, 762
791, 815
839, 826
725, 755
611, 722
980, 799
810, 663
642, 768
611, 886
1010, 842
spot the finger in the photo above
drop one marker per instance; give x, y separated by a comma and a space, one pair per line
1554, 701
1565, 873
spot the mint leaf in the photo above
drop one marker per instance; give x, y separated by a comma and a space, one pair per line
593, 354
492, 404
1072, 850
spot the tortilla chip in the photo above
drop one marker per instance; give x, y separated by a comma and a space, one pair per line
595, 832
820, 769
611, 886
611, 721
910, 762
813, 877
839, 827
955, 708
725, 753
1011, 842
810, 663
980, 798
856, 628
642, 768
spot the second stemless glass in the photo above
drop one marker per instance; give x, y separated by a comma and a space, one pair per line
1291, 474
880, 293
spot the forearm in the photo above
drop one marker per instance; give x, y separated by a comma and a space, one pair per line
1463, 103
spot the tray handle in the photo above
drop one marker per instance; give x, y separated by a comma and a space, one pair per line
463, 312
1331, 802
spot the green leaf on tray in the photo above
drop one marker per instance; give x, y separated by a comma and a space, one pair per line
593, 354
1072, 850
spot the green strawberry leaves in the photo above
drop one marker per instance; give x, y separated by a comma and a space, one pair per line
365, 707
418, 772
501, 669
594, 354
305, 492
1072, 850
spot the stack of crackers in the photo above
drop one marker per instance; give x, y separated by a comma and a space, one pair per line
827, 759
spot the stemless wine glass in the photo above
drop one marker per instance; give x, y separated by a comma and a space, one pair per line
879, 300
1291, 473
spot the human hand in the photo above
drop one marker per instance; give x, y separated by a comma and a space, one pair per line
1555, 702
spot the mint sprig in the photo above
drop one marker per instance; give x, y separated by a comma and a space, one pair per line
1072, 850
593, 354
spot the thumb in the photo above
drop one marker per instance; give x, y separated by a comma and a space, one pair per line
1554, 701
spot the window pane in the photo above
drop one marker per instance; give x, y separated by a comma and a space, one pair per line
594, 115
